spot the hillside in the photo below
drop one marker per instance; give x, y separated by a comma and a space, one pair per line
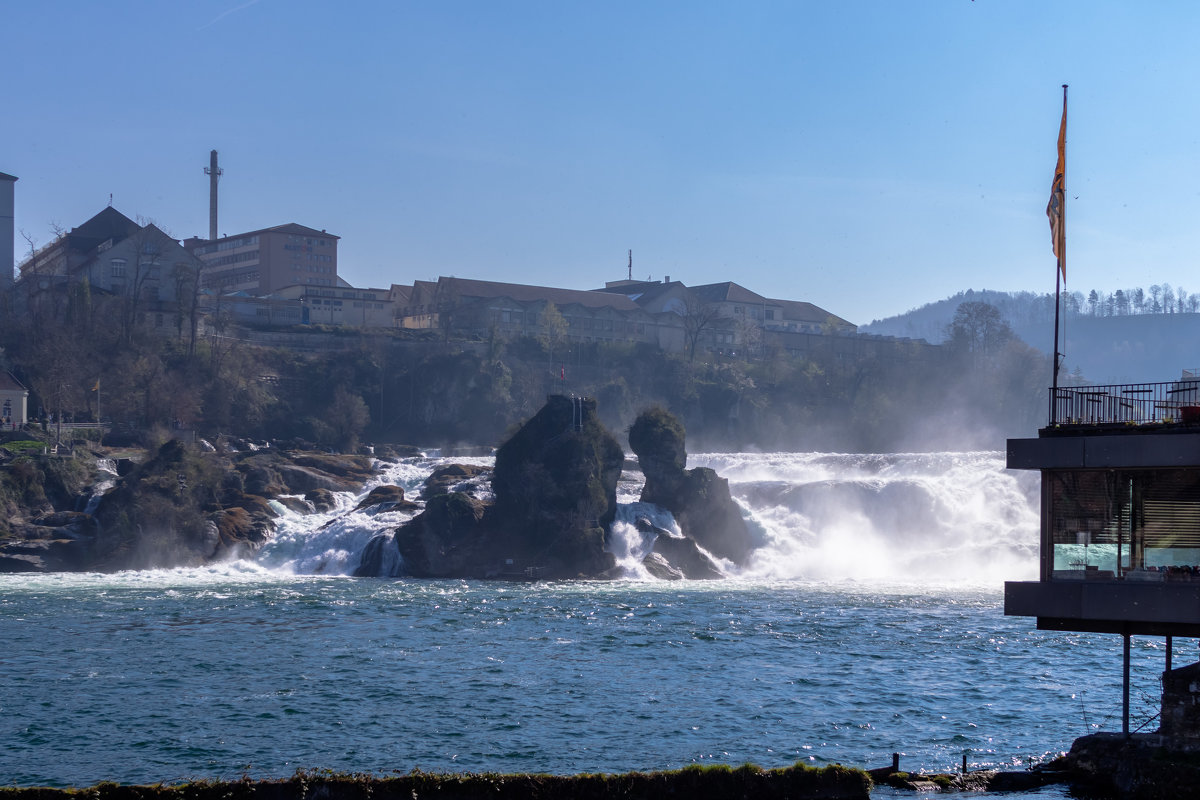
1102, 349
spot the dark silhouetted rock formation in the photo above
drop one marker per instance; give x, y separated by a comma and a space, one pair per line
699, 498
555, 484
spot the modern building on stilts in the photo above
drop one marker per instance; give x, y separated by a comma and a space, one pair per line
1120, 532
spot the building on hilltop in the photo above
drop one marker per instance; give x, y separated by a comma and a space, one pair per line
477, 308
264, 261
115, 256
799, 317
343, 305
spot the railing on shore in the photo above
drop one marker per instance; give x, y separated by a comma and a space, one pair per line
1127, 403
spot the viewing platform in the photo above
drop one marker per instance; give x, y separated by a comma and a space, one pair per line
1157, 405
1120, 513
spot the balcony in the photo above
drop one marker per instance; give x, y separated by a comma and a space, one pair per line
1129, 404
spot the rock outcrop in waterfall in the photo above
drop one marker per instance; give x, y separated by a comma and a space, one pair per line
553, 501
699, 498
554, 484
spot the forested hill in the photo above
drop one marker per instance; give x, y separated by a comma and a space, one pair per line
1107, 340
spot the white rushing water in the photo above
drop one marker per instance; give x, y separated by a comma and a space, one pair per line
933, 518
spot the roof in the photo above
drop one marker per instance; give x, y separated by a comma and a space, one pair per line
108, 224
806, 312
287, 227
523, 293
727, 292
4, 176
10, 384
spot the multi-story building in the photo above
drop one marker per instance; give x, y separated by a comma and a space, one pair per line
264, 261
116, 256
474, 307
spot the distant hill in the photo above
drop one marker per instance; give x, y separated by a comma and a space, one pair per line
1130, 348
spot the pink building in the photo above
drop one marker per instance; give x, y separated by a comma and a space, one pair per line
263, 261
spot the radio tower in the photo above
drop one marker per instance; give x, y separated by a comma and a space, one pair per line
214, 173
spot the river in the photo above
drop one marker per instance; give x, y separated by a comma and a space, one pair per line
869, 622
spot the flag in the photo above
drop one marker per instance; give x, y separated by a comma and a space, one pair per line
1058, 199
96, 388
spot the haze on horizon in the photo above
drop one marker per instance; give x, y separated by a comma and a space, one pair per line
867, 157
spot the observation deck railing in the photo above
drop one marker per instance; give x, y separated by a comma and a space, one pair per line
1127, 403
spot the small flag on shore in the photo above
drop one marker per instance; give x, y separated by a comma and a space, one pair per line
1058, 199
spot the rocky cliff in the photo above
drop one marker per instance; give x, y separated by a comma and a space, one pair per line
177, 506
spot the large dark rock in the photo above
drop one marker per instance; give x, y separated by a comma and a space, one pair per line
386, 498
447, 539
449, 478
699, 498
555, 487
1141, 765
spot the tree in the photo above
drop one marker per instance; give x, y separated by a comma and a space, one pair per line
446, 301
697, 318
187, 300
347, 417
978, 330
554, 330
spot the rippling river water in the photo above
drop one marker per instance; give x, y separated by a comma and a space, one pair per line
249, 668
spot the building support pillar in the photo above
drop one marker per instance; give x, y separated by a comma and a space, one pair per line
1125, 688
1169, 638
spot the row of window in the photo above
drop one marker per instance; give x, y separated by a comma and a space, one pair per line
117, 269
294, 239
236, 258
226, 244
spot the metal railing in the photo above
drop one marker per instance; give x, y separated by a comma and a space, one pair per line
1127, 403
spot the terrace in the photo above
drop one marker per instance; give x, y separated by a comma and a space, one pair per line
1158, 404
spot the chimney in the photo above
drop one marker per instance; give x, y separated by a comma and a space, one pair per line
213, 173
7, 231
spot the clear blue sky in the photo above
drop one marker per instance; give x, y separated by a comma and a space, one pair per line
865, 156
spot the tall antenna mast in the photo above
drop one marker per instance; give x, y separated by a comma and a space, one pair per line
214, 173
630, 265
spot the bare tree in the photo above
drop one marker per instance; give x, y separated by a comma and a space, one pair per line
698, 317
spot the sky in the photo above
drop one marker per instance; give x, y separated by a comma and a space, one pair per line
868, 157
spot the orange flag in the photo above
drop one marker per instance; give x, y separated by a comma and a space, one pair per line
1057, 206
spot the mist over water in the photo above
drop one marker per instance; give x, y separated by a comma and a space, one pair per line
929, 518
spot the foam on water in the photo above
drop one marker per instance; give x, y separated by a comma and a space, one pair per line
927, 518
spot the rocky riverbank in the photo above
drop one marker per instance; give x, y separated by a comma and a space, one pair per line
545, 509
100, 508
697, 783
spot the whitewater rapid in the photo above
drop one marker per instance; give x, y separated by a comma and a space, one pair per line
930, 518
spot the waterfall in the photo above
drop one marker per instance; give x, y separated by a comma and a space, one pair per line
927, 518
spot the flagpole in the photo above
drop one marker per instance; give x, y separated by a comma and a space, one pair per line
1060, 246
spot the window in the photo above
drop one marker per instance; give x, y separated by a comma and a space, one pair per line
118, 267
